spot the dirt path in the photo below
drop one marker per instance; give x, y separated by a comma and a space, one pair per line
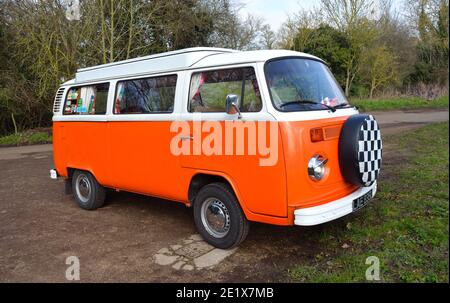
40, 227
397, 121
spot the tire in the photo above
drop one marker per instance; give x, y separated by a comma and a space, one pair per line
88, 193
219, 201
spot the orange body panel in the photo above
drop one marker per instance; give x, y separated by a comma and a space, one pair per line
262, 189
141, 160
302, 191
135, 156
82, 145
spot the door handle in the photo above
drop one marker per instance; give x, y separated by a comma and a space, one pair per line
186, 138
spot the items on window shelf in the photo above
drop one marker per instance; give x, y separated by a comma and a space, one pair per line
72, 101
80, 106
81, 101
92, 105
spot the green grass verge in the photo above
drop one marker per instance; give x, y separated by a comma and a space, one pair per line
403, 103
26, 138
406, 226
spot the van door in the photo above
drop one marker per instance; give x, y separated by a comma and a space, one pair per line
140, 136
248, 149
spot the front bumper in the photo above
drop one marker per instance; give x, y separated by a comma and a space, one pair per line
330, 211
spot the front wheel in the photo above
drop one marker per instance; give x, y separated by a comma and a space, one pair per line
218, 216
88, 193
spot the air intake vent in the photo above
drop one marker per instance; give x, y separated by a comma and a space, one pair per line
58, 98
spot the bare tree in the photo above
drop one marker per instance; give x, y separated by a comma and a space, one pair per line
351, 17
268, 38
296, 31
380, 68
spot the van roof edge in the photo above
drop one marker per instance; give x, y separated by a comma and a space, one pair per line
160, 55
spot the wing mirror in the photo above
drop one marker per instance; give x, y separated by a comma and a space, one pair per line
232, 106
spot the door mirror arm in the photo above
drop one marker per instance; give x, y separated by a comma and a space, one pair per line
232, 106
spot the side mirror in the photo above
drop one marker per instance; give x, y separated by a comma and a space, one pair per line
232, 105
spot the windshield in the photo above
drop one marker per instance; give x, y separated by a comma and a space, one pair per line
298, 84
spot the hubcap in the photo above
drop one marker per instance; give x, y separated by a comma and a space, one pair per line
83, 188
215, 217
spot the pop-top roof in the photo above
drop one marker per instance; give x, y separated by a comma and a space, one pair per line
199, 57
169, 61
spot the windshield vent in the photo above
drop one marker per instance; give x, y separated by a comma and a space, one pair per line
58, 98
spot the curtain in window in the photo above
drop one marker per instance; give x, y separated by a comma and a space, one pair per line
197, 81
120, 96
87, 97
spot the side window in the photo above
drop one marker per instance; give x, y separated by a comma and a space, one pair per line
209, 90
145, 96
87, 100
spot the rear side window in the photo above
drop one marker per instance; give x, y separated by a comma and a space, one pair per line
87, 100
146, 96
209, 90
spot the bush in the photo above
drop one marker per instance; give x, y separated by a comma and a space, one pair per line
30, 137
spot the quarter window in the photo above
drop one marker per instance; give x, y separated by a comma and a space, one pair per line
146, 96
87, 100
209, 90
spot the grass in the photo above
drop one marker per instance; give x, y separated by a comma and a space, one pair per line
402, 103
406, 226
26, 138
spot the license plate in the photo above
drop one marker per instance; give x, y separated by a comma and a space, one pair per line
362, 201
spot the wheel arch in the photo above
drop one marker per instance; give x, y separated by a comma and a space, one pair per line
201, 179
71, 170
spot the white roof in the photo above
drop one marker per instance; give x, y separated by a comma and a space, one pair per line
189, 58
248, 57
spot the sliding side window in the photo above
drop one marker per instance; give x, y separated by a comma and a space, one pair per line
87, 100
146, 96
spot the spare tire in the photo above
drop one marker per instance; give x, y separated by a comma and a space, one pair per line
360, 150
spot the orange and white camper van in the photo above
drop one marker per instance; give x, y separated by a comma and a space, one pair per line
265, 136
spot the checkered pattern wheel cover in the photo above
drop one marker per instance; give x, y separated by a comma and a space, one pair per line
370, 151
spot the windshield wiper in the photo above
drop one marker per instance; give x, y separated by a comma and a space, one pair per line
340, 106
333, 109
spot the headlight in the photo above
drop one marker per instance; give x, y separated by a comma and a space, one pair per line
317, 167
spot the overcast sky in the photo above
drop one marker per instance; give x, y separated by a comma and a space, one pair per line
275, 11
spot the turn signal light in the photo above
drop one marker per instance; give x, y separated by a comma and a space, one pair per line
317, 134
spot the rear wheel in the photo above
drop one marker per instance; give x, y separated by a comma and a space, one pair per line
218, 216
88, 193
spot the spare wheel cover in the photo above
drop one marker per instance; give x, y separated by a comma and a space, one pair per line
360, 150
